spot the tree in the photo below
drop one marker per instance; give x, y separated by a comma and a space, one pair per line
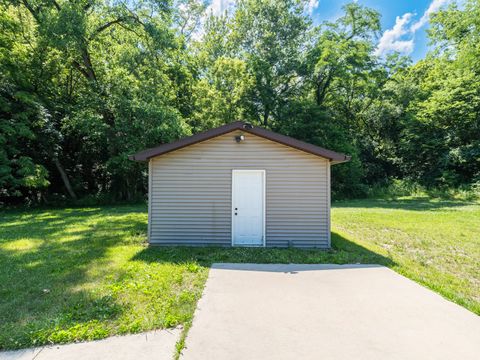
19, 172
107, 83
86, 83
271, 37
220, 95
442, 138
343, 55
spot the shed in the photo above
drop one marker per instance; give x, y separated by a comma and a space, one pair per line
239, 185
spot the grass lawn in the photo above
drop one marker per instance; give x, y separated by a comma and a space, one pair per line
80, 274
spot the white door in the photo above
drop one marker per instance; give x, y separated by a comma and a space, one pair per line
248, 207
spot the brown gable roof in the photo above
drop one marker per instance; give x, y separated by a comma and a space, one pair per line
333, 156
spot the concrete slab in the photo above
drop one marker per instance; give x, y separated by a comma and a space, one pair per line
251, 311
24, 354
154, 345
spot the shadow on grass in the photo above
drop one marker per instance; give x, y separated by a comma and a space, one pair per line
343, 251
414, 204
45, 258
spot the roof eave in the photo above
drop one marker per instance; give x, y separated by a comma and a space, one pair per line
147, 154
341, 161
332, 156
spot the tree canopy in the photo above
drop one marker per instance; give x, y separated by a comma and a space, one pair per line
85, 83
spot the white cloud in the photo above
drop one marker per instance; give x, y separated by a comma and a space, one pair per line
218, 7
312, 5
435, 5
392, 39
401, 37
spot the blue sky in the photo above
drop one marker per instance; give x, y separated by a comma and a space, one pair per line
404, 22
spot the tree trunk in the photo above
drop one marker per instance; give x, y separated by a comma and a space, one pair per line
321, 90
266, 114
65, 180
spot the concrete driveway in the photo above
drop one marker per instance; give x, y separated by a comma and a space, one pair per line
153, 345
251, 311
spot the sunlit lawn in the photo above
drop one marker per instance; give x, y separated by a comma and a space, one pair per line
434, 242
78, 274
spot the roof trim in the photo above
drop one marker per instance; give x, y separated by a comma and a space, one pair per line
334, 157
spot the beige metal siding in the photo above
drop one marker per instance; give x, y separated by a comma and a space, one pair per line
190, 200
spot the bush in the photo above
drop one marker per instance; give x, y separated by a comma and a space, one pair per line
401, 188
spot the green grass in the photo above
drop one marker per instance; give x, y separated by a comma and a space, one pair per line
434, 242
81, 274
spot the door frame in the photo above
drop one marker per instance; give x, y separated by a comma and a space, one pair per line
264, 179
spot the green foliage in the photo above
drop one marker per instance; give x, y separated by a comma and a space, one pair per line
104, 77
440, 139
20, 115
271, 37
315, 125
220, 98
401, 188
85, 84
